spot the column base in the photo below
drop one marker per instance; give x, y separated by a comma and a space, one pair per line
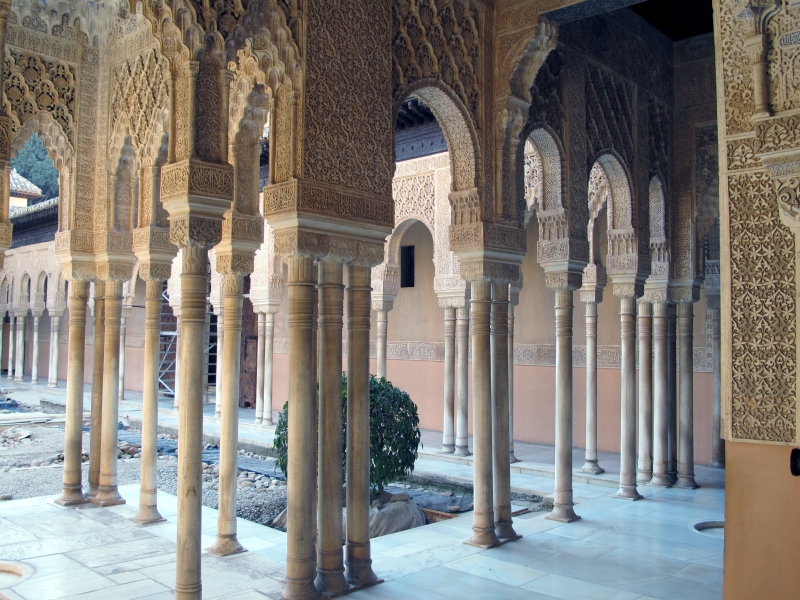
717, 464
92, 491
505, 531
628, 492
360, 574
225, 545
268, 423
448, 449
71, 497
660, 481
591, 467
563, 513
259, 421
19, 379
686, 482
511, 458
462, 451
189, 592
483, 538
296, 590
52, 385
147, 515
673, 474
643, 477
107, 496
331, 582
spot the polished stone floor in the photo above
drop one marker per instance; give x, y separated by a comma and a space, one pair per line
619, 550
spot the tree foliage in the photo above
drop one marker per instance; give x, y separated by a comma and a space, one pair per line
394, 433
34, 164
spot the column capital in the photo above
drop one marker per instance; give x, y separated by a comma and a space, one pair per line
330, 247
154, 271
152, 244
382, 304
489, 269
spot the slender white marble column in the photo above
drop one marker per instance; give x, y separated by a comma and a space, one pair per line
269, 342
2, 332
448, 428
511, 304
660, 397
148, 496
260, 371
462, 376
500, 414
178, 344
19, 358
330, 559
562, 496
35, 351
72, 489
12, 320
300, 550
627, 458
672, 392
718, 444
123, 329
96, 428
383, 323
52, 372
358, 560
590, 464
227, 541
483, 530
644, 471
686, 447
220, 377
107, 492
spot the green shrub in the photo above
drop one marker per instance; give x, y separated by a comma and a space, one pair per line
394, 433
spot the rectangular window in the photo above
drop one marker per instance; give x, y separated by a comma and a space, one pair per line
406, 266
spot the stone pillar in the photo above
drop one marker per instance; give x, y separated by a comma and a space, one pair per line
2, 331
260, 371
330, 559
462, 376
660, 397
72, 489
178, 344
11, 335
590, 464
269, 342
227, 541
644, 471
672, 393
513, 301
562, 497
383, 323
718, 443
19, 358
35, 351
300, 551
627, 458
123, 327
500, 412
686, 447
107, 493
483, 530
448, 430
358, 562
96, 434
52, 372
148, 496
220, 375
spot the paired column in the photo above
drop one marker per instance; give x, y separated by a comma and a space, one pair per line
107, 493
96, 435
562, 502
123, 327
12, 320
672, 393
260, 371
383, 326
269, 341
20, 354
686, 447
718, 444
232, 290
220, 357
52, 372
644, 471
660, 397
448, 426
72, 489
148, 495
514, 300
462, 376
330, 559
590, 464
627, 459
35, 351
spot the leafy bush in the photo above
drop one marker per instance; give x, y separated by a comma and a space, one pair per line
394, 433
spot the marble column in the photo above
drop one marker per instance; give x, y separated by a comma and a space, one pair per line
686, 444
148, 495
220, 374
660, 397
123, 329
35, 351
19, 357
72, 489
672, 393
330, 559
500, 414
562, 496
107, 493
383, 326
462, 376
718, 443
644, 471
260, 371
627, 458
590, 464
177, 391
227, 541
269, 342
52, 372
358, 559
2, 332
448, 429
300, 551
483, 530
12, 320
96, 433
514, 300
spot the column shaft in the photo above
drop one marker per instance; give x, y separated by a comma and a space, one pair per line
35, 351
590, 464
12, 320
123, 328
627, 446
96, 428
107, 493
19, 357
483, 530
383, 326
72, 492
269, 340
220, 374
718, 444
260, 371
672, 393
358, 563
686, 447
178, 344
448, 428
462, 406
52, 373
511, 457
644, 471
660, 397
148, 498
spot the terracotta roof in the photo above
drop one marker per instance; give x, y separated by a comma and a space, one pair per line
21, 187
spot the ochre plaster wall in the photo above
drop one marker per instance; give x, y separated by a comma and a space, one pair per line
762, 522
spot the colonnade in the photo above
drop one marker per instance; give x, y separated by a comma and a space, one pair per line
16, 345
